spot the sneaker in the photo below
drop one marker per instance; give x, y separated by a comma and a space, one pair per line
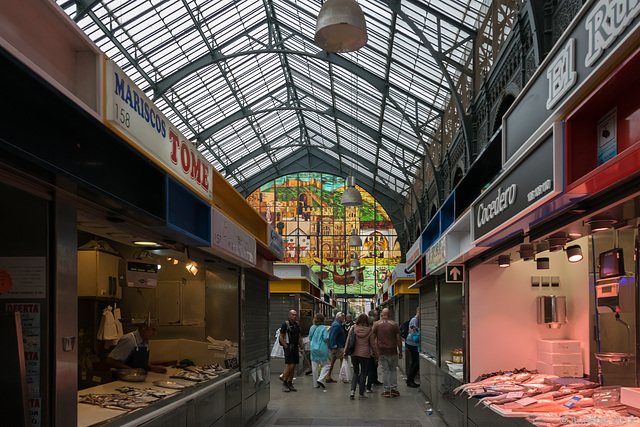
363, 396
309, 372
291, 387
281, 378
352, 395
320, 383
369, 391
395, 393
385, 394
285, 389
412, 384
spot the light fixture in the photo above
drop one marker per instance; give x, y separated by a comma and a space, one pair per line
574, 253
355, 262
542, 263
192, 268
542, 246
351, 196
145, 243
557, 241
600, 225
504, 261
526, 252
355, 240
341, 26
175, 261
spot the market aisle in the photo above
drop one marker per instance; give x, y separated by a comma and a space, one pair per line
312, 407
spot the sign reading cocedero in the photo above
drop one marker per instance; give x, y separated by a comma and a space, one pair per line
130, 112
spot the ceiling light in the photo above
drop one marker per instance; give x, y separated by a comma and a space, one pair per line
542, 263
145, 243
341, 26
351, 196
355, 240
574, 253
600, 225
175, 261
192, 268
355, 262
504, 261
526, 252
542, 246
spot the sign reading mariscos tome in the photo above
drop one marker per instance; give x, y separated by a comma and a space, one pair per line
519, 190
130, 111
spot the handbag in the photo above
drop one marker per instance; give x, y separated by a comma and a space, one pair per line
351, 344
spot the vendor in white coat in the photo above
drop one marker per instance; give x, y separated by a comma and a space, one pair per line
132, 351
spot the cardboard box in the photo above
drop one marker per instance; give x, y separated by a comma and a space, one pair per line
560, 358
558, 346
561, 370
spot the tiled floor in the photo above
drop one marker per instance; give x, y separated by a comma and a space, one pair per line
314, 407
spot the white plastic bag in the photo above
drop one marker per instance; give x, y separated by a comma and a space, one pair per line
345, 371
277, 351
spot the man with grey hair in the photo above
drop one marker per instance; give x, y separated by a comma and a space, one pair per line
337, 340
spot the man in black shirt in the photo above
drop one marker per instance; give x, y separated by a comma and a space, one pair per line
291, 341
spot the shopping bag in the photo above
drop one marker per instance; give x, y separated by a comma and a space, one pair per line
277, 351
345, 371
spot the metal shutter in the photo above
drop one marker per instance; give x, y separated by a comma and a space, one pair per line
255, 318
428, 319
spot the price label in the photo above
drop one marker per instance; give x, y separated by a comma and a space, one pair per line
569, 403
515, 394
526, 401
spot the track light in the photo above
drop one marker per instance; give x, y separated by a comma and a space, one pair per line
526, 252
600, 225
574, 253
542, 263
504, 261
192, 268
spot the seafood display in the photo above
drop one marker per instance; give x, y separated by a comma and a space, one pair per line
114, 401
136, 392
169, 384
544, 400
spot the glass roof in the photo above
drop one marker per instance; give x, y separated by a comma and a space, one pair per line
245, 82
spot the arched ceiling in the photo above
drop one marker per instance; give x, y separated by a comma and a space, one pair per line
245, 82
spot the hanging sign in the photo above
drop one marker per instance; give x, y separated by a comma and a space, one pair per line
229, 240
132, 114
455, 273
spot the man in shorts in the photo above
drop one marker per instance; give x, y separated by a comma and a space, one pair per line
291, 341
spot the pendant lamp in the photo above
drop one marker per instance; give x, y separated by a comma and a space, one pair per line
355, 240
341, 26
351, 196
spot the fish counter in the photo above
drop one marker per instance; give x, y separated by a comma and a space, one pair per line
549, 401
126, 403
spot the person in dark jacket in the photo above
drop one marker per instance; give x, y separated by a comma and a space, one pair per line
336, 344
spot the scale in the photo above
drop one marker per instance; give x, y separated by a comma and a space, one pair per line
608, 292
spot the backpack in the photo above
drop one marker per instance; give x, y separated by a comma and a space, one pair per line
351, 344
287, 339
404, 329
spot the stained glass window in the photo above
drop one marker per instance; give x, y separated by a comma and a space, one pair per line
305, 209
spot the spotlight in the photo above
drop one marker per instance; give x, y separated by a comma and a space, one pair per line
192, 268
542, 246
504, 261
574, 253
600, 225
542, 263
526, 252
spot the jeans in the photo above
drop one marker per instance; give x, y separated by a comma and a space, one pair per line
389, 365
372, 372
323, 367
415, 362
359, 372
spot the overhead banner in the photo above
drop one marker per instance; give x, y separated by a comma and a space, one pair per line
134, 116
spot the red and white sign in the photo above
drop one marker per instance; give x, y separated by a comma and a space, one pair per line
130, 111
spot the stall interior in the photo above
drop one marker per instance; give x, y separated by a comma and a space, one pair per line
121, 285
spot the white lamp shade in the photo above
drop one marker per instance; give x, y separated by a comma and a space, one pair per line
341, 26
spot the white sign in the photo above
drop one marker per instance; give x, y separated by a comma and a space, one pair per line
413, 254
229, 238
27, 277
606, 21
504, 199
561, 74
133, 114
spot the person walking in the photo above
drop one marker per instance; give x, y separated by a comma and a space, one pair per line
372, 370
291, 341
365, 346
319, 348
348, 323
336, 344
389, 347
412, 347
